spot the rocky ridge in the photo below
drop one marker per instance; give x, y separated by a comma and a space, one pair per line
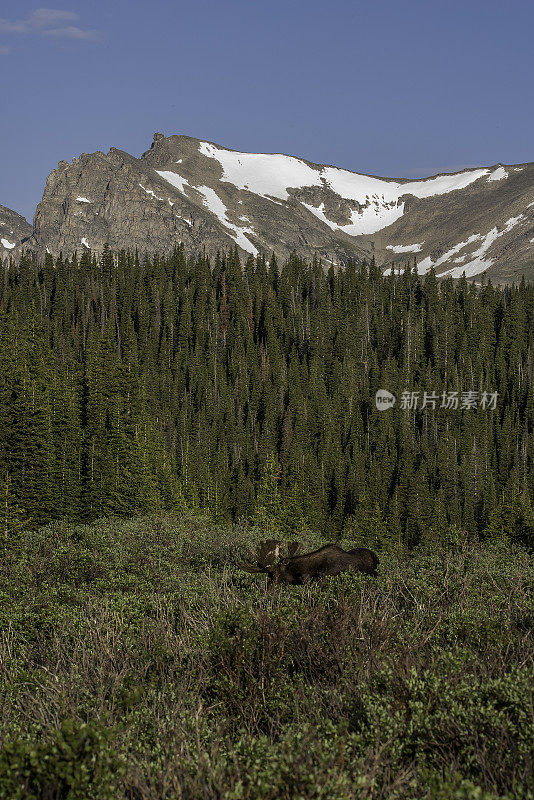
206, 196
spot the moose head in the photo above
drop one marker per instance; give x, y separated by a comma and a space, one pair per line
290, 568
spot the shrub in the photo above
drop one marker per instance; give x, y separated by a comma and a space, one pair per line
78, 762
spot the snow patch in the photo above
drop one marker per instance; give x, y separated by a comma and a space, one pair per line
272, 175
405, 248
83, 200
8, 245
318, 211
426, 264
264, 174
498, 175
150, 192
479, 263
173, 178
371, 218
155, 196
214, 203
85, 243
352, 186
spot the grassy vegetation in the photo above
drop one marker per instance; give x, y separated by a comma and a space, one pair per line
137, 661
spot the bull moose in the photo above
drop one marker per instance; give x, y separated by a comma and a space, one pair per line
292, 568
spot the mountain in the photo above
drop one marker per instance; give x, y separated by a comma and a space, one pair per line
14, 230
196, 192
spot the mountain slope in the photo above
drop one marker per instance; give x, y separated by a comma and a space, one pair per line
14, 230
183, 189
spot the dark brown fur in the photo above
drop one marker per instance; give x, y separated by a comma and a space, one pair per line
298, 569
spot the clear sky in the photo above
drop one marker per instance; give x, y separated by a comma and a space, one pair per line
388, 87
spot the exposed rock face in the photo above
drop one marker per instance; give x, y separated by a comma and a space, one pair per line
14, 231
186, 190
172, 194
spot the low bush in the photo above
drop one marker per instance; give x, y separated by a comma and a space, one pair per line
137, 661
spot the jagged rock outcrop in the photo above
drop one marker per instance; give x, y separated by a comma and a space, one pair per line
186, 190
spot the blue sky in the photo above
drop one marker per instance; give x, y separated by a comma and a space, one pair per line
388, 87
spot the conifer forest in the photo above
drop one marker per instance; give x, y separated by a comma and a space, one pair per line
129, 385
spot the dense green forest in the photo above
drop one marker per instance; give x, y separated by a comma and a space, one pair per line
129, 385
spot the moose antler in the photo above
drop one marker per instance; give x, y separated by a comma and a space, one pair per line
250, 568
268, 554
293, 548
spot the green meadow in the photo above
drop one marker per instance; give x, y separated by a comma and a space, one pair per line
137, 661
